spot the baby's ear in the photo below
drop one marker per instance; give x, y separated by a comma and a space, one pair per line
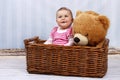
72, 19
78, 12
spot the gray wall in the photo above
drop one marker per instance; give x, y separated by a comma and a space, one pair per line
21, 19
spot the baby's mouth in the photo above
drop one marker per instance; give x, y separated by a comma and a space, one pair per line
63, 22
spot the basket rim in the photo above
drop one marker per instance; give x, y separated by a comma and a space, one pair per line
60, 46
39, 42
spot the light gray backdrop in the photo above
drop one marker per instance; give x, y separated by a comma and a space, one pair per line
21, 19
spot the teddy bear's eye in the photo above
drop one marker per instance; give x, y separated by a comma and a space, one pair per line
86, 34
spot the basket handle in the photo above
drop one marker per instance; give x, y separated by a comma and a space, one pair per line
106, 42
34, 39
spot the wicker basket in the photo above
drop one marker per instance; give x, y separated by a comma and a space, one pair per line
66, 60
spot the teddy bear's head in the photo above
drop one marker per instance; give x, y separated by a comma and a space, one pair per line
89, 28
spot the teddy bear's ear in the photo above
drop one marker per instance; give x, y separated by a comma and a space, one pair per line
78, 12
105, 21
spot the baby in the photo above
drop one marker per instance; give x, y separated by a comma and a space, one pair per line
62, 34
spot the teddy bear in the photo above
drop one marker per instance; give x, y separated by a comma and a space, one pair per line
90, 28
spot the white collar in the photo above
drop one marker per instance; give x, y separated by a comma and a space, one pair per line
61, 30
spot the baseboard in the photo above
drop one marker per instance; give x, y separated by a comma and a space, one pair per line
21, 52
12, 52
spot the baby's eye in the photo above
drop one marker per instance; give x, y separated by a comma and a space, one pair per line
59, 16
66, 15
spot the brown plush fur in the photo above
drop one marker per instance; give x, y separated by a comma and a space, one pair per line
92, 25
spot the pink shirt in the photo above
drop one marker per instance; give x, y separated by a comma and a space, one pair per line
61, 38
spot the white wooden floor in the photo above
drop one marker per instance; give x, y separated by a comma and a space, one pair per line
14, 68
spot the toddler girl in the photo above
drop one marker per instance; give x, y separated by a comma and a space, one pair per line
62, 34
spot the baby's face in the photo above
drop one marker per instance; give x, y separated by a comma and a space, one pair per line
64, 19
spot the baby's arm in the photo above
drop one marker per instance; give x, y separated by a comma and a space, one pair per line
70, 38
70, 42
49, 41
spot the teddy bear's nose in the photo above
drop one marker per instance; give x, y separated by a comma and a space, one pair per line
76, 39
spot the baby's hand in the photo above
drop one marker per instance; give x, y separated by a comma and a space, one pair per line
67, 45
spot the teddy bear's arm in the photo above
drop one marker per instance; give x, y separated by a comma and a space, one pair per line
100, 44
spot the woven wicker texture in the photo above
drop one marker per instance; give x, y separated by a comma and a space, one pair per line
66, 60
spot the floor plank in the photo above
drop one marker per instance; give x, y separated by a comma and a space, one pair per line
14, 68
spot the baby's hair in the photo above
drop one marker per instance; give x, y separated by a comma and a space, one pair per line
65, 8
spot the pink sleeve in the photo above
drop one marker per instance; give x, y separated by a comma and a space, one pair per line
69, 33
70, 37
53, 31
